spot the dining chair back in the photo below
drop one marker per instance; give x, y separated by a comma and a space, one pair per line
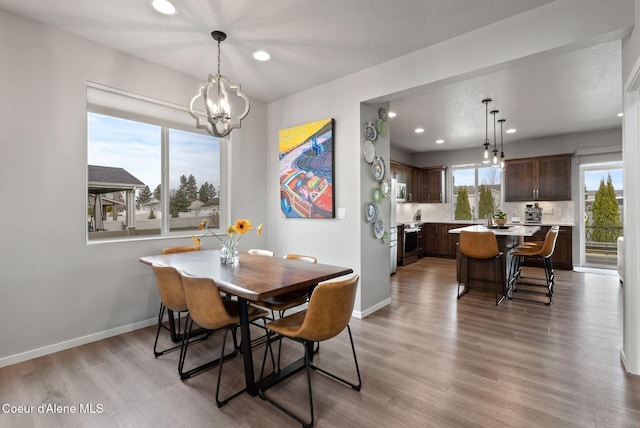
481, 246
180, 249
171, 299
330, 309
210, 311
261, 252
301, 257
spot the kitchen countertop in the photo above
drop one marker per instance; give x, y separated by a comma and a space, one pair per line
480, 223
512, 230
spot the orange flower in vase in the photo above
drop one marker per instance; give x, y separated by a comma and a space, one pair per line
229, 246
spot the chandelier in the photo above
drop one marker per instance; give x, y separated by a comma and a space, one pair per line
218, 121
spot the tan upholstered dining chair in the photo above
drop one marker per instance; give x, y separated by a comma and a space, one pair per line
328, 314
171, 300
210, 311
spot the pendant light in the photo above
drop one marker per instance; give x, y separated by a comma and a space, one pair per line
218, 121
502, 164
495, 144
485, 156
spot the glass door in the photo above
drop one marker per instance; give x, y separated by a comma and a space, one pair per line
601, 211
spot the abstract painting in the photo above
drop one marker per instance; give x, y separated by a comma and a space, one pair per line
306, 170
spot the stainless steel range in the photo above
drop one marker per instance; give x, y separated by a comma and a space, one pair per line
412, 243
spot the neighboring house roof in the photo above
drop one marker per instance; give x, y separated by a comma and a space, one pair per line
151, 203
197, 204
106, 179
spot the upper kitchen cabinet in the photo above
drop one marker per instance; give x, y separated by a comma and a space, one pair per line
431, 185
404, 174
545, 178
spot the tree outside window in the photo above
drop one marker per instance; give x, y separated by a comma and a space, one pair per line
605, 213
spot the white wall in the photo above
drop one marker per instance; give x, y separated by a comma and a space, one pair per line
56, 289
630, 352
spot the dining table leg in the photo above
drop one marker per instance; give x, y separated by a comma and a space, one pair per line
245, 346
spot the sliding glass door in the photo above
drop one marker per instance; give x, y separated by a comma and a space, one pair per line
602, 207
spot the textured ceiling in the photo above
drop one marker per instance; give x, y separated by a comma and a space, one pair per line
571, 92
313, 42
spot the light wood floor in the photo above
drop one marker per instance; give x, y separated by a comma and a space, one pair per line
427, 360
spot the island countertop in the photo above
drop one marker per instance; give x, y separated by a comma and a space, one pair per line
511, 230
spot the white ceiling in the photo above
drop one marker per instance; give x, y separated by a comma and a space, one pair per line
313, 42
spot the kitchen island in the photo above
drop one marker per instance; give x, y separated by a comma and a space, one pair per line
481, 272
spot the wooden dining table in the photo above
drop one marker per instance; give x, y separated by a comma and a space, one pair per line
252, 279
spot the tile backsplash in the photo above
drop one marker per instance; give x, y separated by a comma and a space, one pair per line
561, 212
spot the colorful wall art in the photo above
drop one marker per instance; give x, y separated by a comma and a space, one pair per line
306, 170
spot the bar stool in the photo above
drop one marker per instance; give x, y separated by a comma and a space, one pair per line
542, 252
481, 246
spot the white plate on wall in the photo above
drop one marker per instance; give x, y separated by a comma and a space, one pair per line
368, 151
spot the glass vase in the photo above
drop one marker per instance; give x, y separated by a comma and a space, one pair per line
228, 255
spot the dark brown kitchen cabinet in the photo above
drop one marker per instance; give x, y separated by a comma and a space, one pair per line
404, 174
430, 239
545, 178
438, 242
430, 182
562, 254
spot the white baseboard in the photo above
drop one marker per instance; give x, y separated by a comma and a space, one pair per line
372, 309
600, 271
67, 344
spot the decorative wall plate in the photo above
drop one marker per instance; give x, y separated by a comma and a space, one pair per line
378, 168
377, 195
370, 132
385, 186
382, 113
378, 228
381, 127
385, 237
371, 213
368, 151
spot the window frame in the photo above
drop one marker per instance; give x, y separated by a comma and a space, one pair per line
166, 125
474, 209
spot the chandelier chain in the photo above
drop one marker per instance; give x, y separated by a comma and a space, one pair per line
218, 57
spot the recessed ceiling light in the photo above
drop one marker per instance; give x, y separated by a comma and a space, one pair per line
620, 114
392, 114
419, 130
262, 56
439, 141
511, 131
163, 6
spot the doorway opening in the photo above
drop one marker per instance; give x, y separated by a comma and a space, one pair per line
602, 211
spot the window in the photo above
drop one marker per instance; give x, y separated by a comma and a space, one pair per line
149, 173
476, 192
